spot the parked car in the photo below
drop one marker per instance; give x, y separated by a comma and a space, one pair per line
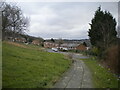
55, 49
64, 49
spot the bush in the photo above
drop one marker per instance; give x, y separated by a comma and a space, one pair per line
95, 51
112, 58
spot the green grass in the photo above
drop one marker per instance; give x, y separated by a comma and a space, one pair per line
0, 64
31, 68
102, 78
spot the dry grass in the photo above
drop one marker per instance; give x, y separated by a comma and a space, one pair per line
22, 45
16, 44
70, 56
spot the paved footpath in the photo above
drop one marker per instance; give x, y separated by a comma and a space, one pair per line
78, 76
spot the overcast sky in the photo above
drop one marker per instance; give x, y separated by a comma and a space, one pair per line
66, 20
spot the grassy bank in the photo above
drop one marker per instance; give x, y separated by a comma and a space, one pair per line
25, 67
0, 64
102, 78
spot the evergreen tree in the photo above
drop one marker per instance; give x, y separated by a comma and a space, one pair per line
103, 29
52, 40
84, 43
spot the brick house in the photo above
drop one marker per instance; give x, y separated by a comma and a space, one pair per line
69, 46
36, 42
50, 45
23, 40
81, 47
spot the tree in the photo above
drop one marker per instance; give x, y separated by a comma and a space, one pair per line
84, 43
1, 9
52, 40
13, 20
103, 29
5, 19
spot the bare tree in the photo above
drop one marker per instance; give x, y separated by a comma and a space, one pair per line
13, 20
1, 9
1, 4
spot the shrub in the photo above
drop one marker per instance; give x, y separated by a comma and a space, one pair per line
95, 51
112, 58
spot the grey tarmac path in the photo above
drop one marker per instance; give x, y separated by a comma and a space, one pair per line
78, 76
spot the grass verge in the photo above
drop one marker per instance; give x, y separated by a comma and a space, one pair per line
102, 78
31, 68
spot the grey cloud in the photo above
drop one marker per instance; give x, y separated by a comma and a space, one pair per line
64, 19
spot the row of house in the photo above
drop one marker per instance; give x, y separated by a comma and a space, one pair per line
50, 45
18, 39
23, 40
69, 46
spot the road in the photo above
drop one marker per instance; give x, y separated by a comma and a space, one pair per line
78, 76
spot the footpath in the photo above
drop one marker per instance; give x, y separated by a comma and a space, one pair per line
78, 76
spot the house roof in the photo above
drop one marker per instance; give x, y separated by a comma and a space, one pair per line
69, 45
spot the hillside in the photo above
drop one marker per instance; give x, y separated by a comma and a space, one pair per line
30, 67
